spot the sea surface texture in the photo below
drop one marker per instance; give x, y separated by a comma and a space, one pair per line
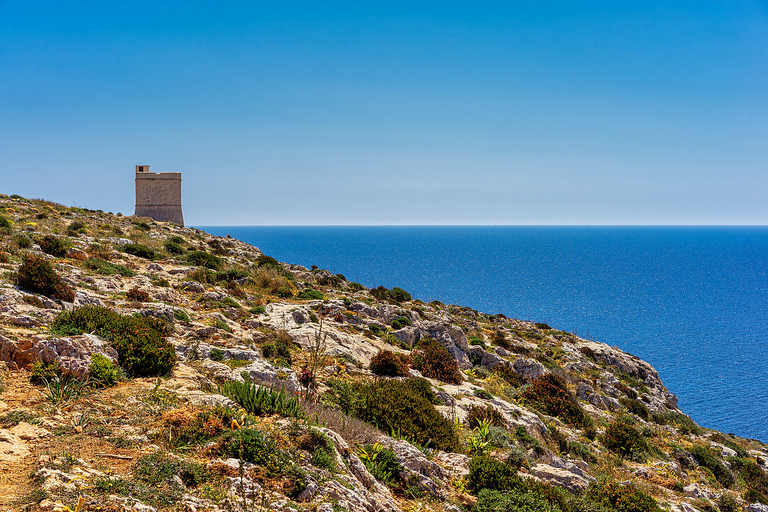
692, 301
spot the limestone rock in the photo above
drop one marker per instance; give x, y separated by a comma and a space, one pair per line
191, 286
528, 369
560, 477
77, 254
757, 507
73, 354
264, 373
12, 448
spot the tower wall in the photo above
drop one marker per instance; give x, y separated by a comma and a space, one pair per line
158, 195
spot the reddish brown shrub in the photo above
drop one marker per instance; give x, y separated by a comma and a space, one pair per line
390, 364
138, 295
37, 275
549, 394
433, 360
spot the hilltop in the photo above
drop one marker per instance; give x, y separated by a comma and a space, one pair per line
148, 366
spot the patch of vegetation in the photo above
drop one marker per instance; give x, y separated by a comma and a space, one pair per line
433, 360
400, 322
622, 438
309, 294
252, 445
106, 268
394, 295
140, 251
635, 407
549, 394
685, 424
622, 498
279, 351
37, 275
707, 458
403, 408
75, 228
390, 364
261, 400
137, 295
755, 480
102, 370
181, 315
142, 348
477, 414
54, 246
381, 463
488, 473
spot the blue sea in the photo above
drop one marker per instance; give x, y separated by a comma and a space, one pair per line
692, 301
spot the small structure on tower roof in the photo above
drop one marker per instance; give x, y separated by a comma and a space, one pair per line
158, 195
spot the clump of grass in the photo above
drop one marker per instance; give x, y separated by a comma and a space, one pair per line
106, 268
261, 400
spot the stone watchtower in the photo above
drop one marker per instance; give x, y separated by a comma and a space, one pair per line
158, 195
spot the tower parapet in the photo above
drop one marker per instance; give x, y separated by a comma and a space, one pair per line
158, 195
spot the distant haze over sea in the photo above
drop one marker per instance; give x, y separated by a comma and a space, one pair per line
692, 301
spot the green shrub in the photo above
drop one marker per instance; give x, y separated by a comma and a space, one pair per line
217, 354
284, 292
33, 300
142, 225
261, 400
75, 228
622, 498
433, 360
22, 241
37, 275
390, 364
173, 247
141, 251
159, 469
549, 394
488, 473
5, 223
624, 439
255, 446
400, 322
399, 295
506, 372
279, 351
258, 310
475, 341
142, 348
402, 408
108, 269
635, 407
43, 372
685, 424
755, 480
495, 501
54, 246
102, 370
181, 315
381, 462
321, 447
727, 503
206, 425
309, 294
706, 458
481, 393
479, 413
203, 276
267, 261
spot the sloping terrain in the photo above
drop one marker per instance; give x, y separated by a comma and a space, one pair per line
148, 366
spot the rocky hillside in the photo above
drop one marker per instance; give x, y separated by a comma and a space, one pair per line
147, 366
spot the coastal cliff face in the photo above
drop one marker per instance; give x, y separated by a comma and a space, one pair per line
148, 366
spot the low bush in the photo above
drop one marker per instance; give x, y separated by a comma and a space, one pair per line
400, 322
251, 445
160, 469
141, 344
321, 447
635, 407
624, 439
550, 395
217, 354
278, 351
309, 294
381, 462
401, 408
106, 268
706, 458
54, 246
204, 259
140, 251
390, 364
5, 224
510, 376
137, 295
433, 360
181, 315
755, 480
173, 247
488, 473
22, 241
37, 275
261, 400
495, 501
479, 413
685, 424
475, 341
622, 498
102, 370
481, 393
43, 372
185, 429
394, 295
75, 228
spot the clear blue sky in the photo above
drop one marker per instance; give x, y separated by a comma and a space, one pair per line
517, 112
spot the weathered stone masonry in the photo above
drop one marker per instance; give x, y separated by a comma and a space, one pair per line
158, 195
